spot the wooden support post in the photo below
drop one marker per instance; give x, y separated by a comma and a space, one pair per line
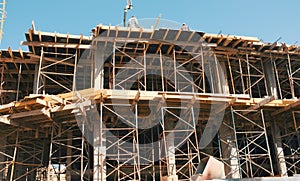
270, 77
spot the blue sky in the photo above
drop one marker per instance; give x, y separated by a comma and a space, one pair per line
266, 19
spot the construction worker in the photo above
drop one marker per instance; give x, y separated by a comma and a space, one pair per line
133, 22
93, 33
185, 27
129, 5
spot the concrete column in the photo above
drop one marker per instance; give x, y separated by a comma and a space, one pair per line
99, 149
270, 79
99, 132
98, 82
279, 150
229, 152
170, 137
223, 78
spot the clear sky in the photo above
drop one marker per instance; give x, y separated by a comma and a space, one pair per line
266, 19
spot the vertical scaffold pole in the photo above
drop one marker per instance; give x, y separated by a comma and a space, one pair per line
14, 157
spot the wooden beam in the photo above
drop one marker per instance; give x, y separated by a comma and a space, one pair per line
259, 105
40, 36
245, 38
30, 34
237, 42
21, 53
51, 60
220, 39
10, 52
39, 112
227, 41
191, 103
273, 45
59, 99
224, 106
23, 58
8, 121
55, 45
18, 60
290, 106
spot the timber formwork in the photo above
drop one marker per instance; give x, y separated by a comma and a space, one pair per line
141, 104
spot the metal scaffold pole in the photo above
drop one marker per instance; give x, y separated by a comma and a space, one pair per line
2, 20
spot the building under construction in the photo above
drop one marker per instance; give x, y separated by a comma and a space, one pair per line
148, 104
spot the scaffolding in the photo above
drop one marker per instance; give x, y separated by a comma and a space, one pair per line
145, 104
